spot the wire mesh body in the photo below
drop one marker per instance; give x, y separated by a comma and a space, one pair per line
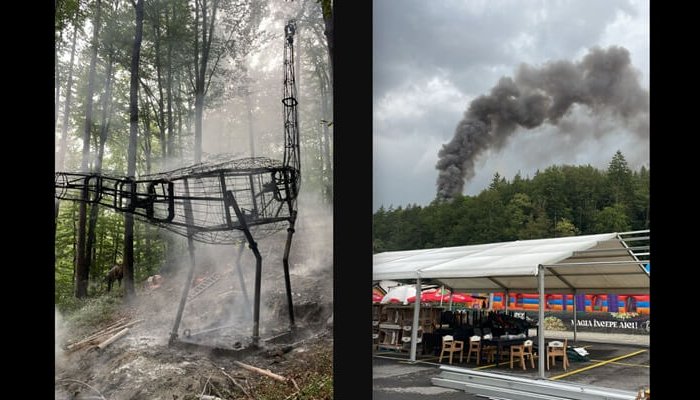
213, 202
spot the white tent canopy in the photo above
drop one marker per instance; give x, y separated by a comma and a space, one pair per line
611, 262
608, 262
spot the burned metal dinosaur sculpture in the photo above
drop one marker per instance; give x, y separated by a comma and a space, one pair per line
221, 201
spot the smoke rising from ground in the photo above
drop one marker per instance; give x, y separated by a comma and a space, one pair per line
604, 82
229, 301
59, 337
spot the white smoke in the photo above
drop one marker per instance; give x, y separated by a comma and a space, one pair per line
59, 338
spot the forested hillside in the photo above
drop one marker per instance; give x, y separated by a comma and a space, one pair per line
559, 201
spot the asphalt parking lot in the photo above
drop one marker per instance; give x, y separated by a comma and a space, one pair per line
619, 366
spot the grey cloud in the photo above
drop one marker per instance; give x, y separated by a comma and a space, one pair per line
473, 44
423, 35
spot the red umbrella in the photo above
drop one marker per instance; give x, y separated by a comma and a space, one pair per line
461, 298
430, 296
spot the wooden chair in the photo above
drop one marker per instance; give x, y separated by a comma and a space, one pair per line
451, 346
490, 353
529, 353
554, 350
517, 350
474, 346
522, 351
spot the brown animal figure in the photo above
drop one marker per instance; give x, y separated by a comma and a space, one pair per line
116, 273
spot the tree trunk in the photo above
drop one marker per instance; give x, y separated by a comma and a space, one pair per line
201, 63
198, 105
116, 233
60, 157
251, 135
171, 139
100, 257
160, 117
82, 272
133, 137
325, 138
197, 88
147, 147
189, 117
178, 101
328, 21
57, 82
104, 129
147, 250
75, 247
327, 169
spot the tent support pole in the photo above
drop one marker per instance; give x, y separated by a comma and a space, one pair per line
452, 291
575, 318
416, 316
507, 295
540, 328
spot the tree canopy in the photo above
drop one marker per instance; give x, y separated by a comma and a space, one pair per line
562, 200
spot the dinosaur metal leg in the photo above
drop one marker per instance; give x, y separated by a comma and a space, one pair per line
185, 291
188, 283
231, 200
241, 279
285, 262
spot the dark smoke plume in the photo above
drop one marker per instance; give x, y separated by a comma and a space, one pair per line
604, 81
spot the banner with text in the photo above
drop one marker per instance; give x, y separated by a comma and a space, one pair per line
631, 323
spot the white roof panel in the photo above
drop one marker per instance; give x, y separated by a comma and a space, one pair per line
514, 265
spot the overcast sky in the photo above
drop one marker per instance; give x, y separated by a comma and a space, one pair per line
432, 58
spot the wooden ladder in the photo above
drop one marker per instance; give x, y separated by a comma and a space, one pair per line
203, 285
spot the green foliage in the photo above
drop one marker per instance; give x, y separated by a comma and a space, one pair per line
612, 219
565, 228
559, 201
537, 227
620, 179
67, 11
83, 315
149, 250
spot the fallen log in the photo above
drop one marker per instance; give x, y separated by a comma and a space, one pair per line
261, 371
113, 339
117, 322
97, 336
99, 332
114, 324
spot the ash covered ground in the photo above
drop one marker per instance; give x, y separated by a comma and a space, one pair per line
141, 365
